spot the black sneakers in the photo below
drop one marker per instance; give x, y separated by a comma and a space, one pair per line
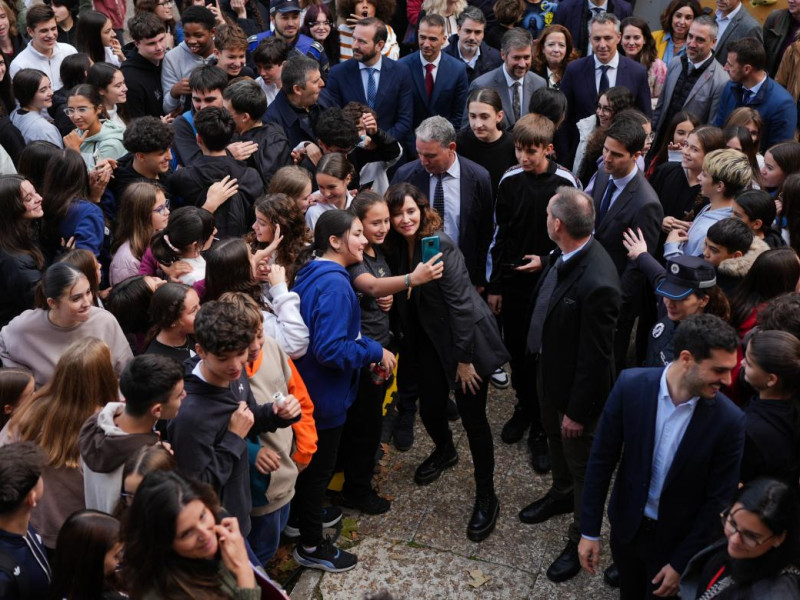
331, 515
325, 557
372, 504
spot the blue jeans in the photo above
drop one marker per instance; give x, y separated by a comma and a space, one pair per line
265, 533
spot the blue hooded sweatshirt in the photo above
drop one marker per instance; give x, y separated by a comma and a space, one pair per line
336, 352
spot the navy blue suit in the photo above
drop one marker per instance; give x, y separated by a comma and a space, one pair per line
580, 87
393, 101
475, 224
700, 482
280, 111
575, 16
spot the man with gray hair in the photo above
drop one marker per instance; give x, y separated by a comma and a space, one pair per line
575, 15
513, 80
576, 305
468, 45
295, 107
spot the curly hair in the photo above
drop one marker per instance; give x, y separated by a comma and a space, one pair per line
384, 9
539, 60
147, 134
282, 211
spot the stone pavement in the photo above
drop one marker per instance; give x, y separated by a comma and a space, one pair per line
419, 549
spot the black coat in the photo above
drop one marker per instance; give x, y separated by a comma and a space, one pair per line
143, 79
273, 150
11, 139
280, 111
577, 358
488, 59
18, 277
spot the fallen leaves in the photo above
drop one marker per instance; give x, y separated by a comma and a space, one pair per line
477, 578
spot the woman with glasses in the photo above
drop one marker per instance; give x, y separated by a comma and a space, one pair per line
96, 136
319, 24
759, 557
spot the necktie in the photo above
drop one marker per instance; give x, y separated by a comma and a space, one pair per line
603, 79
372, 89
540, 308
429, 79
515, 99
605, 203
597, 10
747, 96
438, 195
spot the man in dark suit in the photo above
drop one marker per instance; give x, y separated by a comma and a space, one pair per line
681, 444
624, 199
372, 79
734, 23
468, 45
586, 78
295, 107
464, 188
439, 81
778, 29
513, 80
577, 302
576, 14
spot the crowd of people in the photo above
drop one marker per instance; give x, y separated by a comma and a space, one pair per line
223, 240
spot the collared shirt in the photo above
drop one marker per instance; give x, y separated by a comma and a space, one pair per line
755, 88
451, 184
671, 424
472, 61
270, 89
364, 71
669, 51
611, 73
724, 21
620, 185
565, 257
435, 64
699, 65
510, 81
31, 58
592, 9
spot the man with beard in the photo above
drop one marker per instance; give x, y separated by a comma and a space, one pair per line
468, 44
681, 443
372, 79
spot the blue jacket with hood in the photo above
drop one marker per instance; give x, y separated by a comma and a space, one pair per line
336, 352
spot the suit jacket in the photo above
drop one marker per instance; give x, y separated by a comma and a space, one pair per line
742, 25
488, 59
575, 16
393, 102
282, 113
497, 81
776, 30
578, 85
449, 89
455, 318
703, 98
700, 482
636, 206
475, 221
577, 339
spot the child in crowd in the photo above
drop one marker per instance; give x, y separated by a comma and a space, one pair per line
142, 68
230, 49
296, 183
16, 386
269, 57
173, 309
189, 231
732, 248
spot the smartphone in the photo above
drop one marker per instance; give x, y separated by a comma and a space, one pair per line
516, 263
430, 248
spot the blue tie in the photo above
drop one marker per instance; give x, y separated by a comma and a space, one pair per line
605, 204
603, 79
372, 89
747, 96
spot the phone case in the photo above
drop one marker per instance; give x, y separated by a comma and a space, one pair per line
430, 247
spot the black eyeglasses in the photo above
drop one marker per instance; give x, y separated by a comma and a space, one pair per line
749, 539
160, 209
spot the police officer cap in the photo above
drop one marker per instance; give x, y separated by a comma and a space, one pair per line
686, 274
284, 6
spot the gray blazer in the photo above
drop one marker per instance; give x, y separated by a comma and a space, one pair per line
496, 80
703, 98
741, 26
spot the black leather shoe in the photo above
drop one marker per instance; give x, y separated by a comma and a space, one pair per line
546, 507
540, 458
432, 467
452, 410
515, 427
566, 566
403, 432
484, 518
611, 575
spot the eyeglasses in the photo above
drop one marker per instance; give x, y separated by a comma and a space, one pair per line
321, 24
748, 538
126, 497
81, 110
606, 110
651, 136
160, 209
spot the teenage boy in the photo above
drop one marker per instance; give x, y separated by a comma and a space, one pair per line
24, 571
732, 249
246, 103
142, 68
196, 49
219, 411
43, 52
152, 386
230, 50
148, 141
520, 243
269, 58
215, 129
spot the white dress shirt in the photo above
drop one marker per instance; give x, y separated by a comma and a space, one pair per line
364, 71
435, 64
611, 73
723, 21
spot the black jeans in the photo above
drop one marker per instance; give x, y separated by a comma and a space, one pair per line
311, 485
361, 437
433, 393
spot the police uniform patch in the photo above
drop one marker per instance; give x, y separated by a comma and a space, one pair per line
675, 269
658, 329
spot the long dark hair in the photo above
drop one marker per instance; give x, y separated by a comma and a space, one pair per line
82, 544
16, 231
228, 269
674, 6
773, 273
65, 182
749, 148
166, 307
186, 225
100, 76
663, 150
86, 263
7, 103
331, 43
34, 161
429, 219
778, 352
790, 211
648, 53
487, 96
336, 223
281, 210
150, 563
87, 35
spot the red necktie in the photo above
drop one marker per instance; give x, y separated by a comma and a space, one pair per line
429, 79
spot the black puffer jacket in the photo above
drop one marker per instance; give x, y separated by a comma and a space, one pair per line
18, 276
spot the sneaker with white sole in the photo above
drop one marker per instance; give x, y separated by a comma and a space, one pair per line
325, 557
331, 515
500, 379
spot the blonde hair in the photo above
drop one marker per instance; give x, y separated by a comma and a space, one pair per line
291, 180
12, 18
83, 382
437, 7
731, 167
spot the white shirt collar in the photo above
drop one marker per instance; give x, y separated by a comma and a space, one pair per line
435, 62
613, 63
757, 86
510, 80
592, 5
731, 14
376, 66
471, 62
697, 65
622, 182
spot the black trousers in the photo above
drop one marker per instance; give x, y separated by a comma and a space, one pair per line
361, 437
311, 485
434, 390
639, 561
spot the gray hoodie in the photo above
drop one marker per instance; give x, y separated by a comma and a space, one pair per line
33, 126
178, 63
